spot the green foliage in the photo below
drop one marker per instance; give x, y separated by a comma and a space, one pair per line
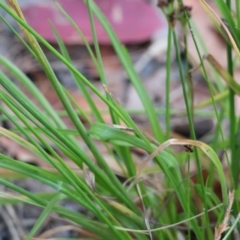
111, 206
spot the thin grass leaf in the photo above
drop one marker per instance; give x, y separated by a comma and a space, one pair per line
221, 23
68, 106
75, 26
95, 42
62, 59
78, 218
6, 198
190, 120
81, 154
134, 78
224, 74
165, 160
168, 68
210, 88
35, 92
79, 83
43, 216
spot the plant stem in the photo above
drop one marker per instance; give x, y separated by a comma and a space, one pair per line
190, 121
168, 68
232, 119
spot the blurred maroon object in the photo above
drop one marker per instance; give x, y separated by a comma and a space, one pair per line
132, 20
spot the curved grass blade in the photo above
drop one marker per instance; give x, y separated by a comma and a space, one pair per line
204, 147
165, 160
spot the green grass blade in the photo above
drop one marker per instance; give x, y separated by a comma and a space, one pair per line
79, 83
43, 216
95, 42
23, 79
134, 78
168, 74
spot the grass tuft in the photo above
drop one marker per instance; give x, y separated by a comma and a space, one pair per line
126, 197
